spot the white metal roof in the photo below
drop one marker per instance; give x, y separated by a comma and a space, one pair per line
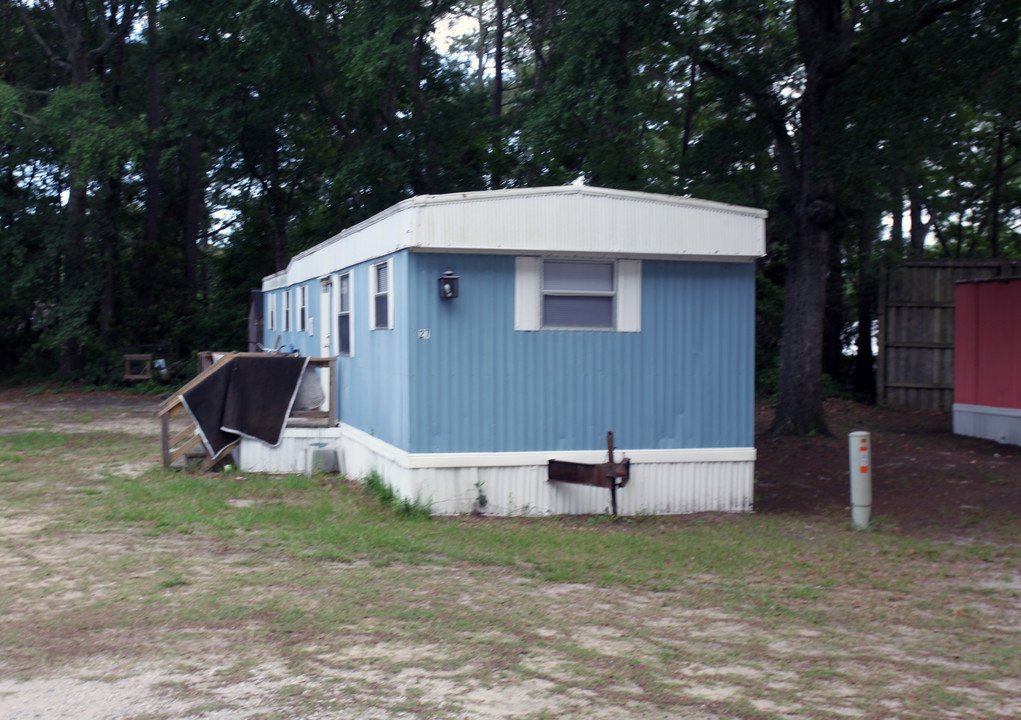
565, 220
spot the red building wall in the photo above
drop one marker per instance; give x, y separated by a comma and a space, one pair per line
987, 343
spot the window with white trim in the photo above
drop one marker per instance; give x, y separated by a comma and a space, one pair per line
381, 300
344, 315
302, 308
577, 295
287, 311
271, 311
572, 294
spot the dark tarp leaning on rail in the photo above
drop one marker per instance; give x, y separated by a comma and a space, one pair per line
251, 398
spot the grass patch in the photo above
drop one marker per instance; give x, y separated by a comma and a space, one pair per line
309, 519
172, 582
322, 586
34, 441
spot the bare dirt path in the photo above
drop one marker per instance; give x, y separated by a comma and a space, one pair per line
102, 620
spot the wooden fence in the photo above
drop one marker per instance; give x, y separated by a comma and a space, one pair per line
915, 366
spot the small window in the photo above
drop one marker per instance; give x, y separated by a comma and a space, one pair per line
287, 311
271, 312
382, 293
563, 294
577, 295
344, 315
302, 308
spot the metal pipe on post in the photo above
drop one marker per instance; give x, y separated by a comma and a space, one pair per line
860, 457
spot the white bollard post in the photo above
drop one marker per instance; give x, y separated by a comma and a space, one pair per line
860, 452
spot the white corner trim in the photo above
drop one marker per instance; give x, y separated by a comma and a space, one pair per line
527, 292
629, 295
416, 461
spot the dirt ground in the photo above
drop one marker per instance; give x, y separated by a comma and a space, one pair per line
511, 647
926, 480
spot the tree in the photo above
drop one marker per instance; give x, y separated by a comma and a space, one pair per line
88, 31
791, 64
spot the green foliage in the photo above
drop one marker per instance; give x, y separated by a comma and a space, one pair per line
602, 104
388, 497
33, 441
10, 112
86, 131
306, 118
378, 487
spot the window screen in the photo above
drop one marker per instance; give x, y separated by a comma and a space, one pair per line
344, 316
577, 295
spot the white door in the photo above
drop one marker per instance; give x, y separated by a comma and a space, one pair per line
326, 316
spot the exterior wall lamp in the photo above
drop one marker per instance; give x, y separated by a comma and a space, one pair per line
448, 285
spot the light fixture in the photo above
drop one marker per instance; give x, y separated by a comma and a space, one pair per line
448, 285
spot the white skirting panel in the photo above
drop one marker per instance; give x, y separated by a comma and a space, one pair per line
290, 455
662, 482
992, 423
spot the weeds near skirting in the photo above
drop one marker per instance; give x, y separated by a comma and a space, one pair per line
416, 509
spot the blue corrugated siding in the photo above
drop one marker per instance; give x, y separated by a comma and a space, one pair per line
685, 381
476, 385
373, 384
305, 343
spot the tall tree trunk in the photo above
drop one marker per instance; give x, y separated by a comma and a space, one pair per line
111, 252
994, 201
541, 18
192, 209
689, 109
280, 253
424, 180
74, 308
278, 208
833, 321
497, 140
194, 185
897, 213
799, 408
145, 255
919, 229
863, 381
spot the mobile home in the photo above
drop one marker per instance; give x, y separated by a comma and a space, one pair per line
480, 335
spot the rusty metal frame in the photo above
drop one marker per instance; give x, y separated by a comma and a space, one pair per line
610, 474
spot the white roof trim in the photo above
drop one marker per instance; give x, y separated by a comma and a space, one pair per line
710, 230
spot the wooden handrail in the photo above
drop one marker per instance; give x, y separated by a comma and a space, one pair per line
174, 404
173, 400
